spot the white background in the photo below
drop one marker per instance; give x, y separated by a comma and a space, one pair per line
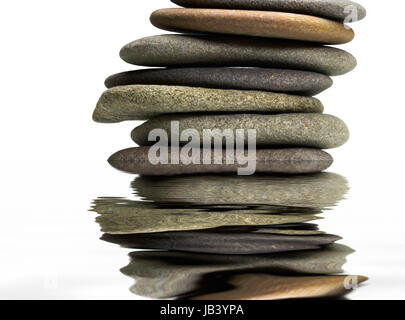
55, 56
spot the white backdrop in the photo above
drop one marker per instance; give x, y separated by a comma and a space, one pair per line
55, 56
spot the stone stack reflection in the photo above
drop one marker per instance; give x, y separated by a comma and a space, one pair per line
230, 237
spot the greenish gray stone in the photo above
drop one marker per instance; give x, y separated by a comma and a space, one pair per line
339, 10
122, 216
264, 79
323, 190
139, 102
288, 161
164, 275
295, 130
229, 51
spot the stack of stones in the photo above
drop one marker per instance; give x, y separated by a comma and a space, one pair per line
256, 66
239, 66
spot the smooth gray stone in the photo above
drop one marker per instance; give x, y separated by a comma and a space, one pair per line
310, 130
216, 241
323, 190
287, 161
230, 51
339, 10
274, 80
164, 275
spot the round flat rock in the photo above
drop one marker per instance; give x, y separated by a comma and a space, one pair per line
297, 130
221, 242
139, 102
321, 190
266, 24
339, 10
289, 161
274, 80
230, 51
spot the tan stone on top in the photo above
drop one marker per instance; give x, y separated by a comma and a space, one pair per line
254, 23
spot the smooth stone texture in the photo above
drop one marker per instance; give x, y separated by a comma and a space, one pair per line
228, 51
274, 80
323, 190
164, 275
216, 241
267, 24
339, 10
288, 161
122, 216
295, 130
140, 102
274, 287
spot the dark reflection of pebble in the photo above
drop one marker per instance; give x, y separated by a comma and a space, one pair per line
161, 274
221, 241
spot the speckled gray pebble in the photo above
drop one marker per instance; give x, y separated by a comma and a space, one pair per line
297, 130
289, 161
139, 102
339, 10
275, 80
230, 51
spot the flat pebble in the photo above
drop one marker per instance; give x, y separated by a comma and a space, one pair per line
269, 24
231, 51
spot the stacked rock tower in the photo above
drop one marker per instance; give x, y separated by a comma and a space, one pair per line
234, 86
243, 65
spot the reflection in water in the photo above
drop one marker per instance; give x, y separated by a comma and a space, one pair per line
258, 286
229, 237
307, 191
163, 274
120, 216
224, 241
